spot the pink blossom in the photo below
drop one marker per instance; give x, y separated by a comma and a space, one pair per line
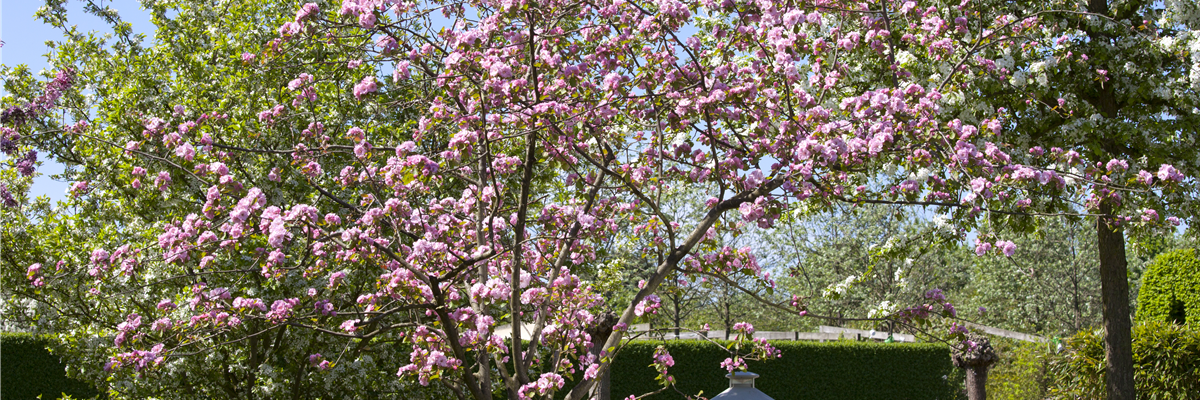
1145, 177
350, 325
366, 19
300, 81
982, 247
754, 179
290, 28
405, 148
281, 310
1167, 172
249, 304
276, 257
132, 322
1116, 165
386, 44
161, 324
163, 180
1149, 215
218, 168
731, 364
979, 185
362, 149
33, 273
367, 85
324, 307
336, 278
500, 69
186, 152
592, 371
649, 305
663, 359
751, 211
611, 81
400, 71
78, 189
307, 10
312, 169
247, 57
332, 219
1008, 248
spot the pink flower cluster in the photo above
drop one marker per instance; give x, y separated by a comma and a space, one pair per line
1007, 248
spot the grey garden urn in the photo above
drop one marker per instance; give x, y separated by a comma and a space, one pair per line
741, 387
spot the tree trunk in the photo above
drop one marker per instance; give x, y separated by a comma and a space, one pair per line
977, 383
604, 391
600, 331
1114, 293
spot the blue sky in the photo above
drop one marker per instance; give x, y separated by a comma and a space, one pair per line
25, 43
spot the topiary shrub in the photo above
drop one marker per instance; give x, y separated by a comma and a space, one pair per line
30, 371
1170, 289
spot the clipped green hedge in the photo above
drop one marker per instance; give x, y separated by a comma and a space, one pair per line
28, 370
1170, 289
1166, 360
844, 370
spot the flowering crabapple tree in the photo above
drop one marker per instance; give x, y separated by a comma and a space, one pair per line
435, 178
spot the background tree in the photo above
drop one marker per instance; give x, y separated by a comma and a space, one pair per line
1110, 80
1050, 288
868, 260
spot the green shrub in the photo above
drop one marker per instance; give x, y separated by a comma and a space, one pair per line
1166, 361
29, 370
1020, 374
1170, 289
806, 370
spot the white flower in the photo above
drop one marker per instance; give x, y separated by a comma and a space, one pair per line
941, 222
883, 310
1167, 42
840, 289
1019, 79
923, 175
